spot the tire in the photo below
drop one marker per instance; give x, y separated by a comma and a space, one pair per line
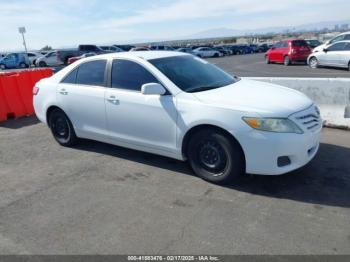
22, 65
286, 61
214, 157
42, 64
2, 67
216, 55
267, 60
313, 62
349, 66
62, 128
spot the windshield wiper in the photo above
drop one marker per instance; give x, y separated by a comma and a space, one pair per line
201, 88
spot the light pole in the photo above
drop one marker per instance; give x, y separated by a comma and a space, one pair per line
22, 30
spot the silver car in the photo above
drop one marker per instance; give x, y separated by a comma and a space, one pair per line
335, 55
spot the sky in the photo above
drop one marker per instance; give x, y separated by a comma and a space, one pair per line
67, 23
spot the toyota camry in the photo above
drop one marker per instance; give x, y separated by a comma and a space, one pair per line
180, 106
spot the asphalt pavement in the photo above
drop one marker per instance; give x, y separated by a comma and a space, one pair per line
253, 65
96, 198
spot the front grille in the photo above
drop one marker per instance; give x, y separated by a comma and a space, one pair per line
308, 119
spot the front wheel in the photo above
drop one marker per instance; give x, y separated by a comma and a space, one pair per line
286, 61
267, 60
61, 128
214, 157
313, 62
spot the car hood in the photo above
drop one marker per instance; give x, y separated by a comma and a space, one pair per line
265, 99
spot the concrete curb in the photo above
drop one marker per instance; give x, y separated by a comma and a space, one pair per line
332, 95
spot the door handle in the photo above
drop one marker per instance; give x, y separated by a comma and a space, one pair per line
113, 100
63, 92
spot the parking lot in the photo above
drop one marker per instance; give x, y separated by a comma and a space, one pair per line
99, 198
253, 65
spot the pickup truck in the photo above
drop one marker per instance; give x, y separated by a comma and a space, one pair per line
64, 54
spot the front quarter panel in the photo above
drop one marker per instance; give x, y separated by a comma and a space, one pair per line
193, 113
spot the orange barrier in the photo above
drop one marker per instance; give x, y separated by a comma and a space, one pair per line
16, 97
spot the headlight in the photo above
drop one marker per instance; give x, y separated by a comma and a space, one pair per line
279, 125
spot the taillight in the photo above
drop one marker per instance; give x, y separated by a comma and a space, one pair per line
35, 90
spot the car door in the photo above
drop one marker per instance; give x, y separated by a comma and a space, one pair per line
11, 60
333, 54
273, 52
81, 96
51, 59
344, 56
134, 118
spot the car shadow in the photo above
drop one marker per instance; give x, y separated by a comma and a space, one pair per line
17, 123
324, 181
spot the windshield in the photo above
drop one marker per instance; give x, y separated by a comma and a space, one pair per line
192, 74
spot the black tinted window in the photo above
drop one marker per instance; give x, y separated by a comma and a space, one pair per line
130, 75
347, 47
299, 43
347, 37
337, 47
71, 77
92, 73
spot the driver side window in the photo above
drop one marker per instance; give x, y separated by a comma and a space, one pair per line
337, 47
130, 75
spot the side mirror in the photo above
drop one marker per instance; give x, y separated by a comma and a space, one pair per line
153, 89
325, 50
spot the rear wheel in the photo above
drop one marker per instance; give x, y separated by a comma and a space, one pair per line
286, 61
313, 62
22, 65
214, 157
61, 128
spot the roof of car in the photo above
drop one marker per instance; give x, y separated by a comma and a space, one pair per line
147, 55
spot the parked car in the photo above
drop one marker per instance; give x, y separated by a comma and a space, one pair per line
76, 58
161, 48
177, 105
206, 52
125, 47
223, 50
262, 48
313, 43
33, 56
185, 50
335, 55
288, 51
341, 37
140, 48
14, 60
92, 49
236, 50
111, 49
50, 59
254, 48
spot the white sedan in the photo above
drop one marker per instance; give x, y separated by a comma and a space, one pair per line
206, 52
180, 106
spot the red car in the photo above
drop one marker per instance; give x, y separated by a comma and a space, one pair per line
288, 51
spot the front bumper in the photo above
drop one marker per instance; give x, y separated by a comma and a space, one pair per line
263, 149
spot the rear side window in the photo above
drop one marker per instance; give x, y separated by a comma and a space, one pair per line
92, 73
71, 77
347, 47
347, 37
299, 43
130, 75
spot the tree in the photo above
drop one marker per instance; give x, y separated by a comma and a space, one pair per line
46, 48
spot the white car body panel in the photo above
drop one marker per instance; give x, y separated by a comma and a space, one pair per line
159, 124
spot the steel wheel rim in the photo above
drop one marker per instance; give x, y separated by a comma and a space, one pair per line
212, 157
